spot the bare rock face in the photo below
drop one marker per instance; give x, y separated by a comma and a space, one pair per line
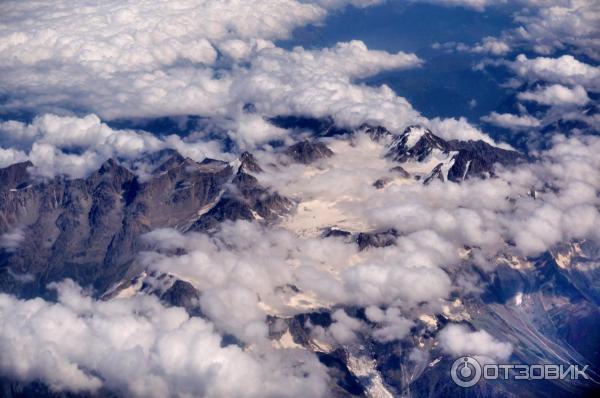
15, 177
376, 133
244, 199
416, 143
88, 229
399, 170
365, 240
307, 152
249, 163
436, 174
469, 158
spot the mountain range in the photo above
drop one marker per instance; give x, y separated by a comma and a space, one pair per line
92, 230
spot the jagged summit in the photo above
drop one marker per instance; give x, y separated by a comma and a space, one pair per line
454, 160
15, 176
89, 229
377, 133
451, 160
415, 143
249, 163
307, 152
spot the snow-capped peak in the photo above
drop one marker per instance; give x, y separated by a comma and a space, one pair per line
412, 135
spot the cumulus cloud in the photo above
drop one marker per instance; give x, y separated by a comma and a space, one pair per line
563, 70
434, 224
457, 340
478, 5
276, 81
115, 63
544, 26
143, 36
137, 347
492, 45
11, 156
393, 325
512, 122
436, 221
320, 83
243, 279
111, 61
554, 25
210, 58
76, 146
254, 274
460, 129
344, 328
134, 58
556, 94
488, 45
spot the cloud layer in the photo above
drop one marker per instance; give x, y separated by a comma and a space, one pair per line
139, 348
74, 66
77, 146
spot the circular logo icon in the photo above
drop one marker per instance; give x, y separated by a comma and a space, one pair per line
466, 372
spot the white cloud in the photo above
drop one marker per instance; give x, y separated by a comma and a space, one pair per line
459, 129
491, 45
478, 5
139, 348
127, 36
436, 221
11, 156
281, 259
556, 94
148, 59
488, 45
563, 70
510, 121
393, 325
457, 340
126, 59
320, 83
113, 62
544, 26
77, 146
550, 25
344, 328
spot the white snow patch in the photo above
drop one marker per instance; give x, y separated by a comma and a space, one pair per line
518, 298
314, 215
425, 167
362, 366
414, 134
132, 289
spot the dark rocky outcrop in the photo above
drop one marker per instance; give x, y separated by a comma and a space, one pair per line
88, 229
15, 176
183, 294
436, 173
469, 158
477, 158
402, 149
365, 240
248, 163
400, 171
307, 152
244, 199
377, 133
